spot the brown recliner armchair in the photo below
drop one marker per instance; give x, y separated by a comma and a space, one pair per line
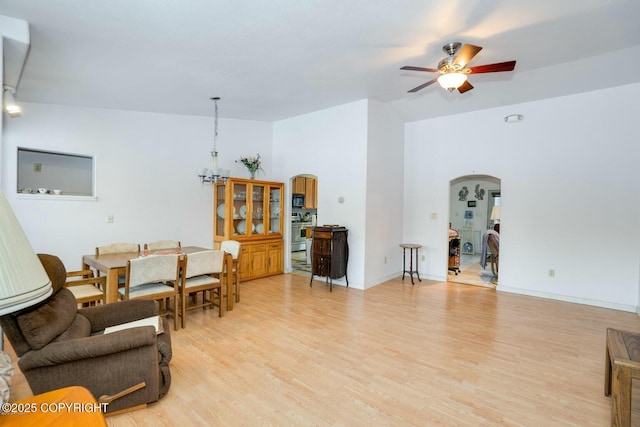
59, 345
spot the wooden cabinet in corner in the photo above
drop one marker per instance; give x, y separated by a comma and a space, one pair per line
251, 212
310, 195
307, 187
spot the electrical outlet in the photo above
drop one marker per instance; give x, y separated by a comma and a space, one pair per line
37, 167
109, 219
423, 257
434, 215
552, 272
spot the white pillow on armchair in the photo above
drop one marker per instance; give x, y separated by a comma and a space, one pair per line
6, 372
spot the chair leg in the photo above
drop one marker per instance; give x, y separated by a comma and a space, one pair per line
176, 310
183, 311
607, 370
236, 280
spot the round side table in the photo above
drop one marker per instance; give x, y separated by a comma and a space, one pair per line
411, 247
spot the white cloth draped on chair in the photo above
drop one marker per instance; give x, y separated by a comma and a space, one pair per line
485, 238
201, 273
153, 277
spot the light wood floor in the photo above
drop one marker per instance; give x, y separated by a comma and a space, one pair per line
395, 355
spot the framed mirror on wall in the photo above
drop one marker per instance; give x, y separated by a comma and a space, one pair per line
47, 173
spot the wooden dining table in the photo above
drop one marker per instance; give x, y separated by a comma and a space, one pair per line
114, 265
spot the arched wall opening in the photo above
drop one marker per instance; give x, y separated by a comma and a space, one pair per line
304, 214
474, 202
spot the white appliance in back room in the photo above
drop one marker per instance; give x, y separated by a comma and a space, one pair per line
301, 219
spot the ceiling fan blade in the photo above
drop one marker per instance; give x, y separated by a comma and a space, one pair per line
422, 86
466, 54
412, 68
494, 68
465, 87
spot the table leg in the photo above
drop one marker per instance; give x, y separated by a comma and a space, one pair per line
404, 263
411, 263
417, 273
607, 369
111, 293
621, 397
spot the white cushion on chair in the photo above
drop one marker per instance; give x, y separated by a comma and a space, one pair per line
85, 291
140, 291
193, 282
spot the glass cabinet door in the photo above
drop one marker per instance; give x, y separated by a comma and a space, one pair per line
257, 209
246, 210
274, 210
239, 213
219, 215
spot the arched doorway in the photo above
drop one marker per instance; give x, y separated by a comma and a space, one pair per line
471, 214
304, 213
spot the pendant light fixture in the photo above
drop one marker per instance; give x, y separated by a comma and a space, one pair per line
214, 174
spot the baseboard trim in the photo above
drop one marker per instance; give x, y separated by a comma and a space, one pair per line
576, 300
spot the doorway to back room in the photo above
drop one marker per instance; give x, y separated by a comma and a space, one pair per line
304, 214
474, 209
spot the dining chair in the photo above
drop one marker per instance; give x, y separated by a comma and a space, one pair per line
117, 248
88, 289
153, 277
201, 273
494, 246
162, 244
233, 247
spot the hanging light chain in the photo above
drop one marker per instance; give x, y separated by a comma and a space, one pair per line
214, 174
215, 126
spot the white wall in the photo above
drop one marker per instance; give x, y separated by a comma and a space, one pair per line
330, 144
383, 233
570, 199
146, 168
355, 150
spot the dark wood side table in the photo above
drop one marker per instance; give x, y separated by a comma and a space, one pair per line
622, 366
329, 253
411, 247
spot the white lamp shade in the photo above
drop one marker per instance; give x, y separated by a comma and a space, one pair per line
495, 213
452, 80
23, 280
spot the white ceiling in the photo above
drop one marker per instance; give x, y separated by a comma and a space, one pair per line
274, 59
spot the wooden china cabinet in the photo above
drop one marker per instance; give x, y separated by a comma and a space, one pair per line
250, 212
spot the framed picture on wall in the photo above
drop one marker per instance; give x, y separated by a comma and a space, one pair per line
471, 204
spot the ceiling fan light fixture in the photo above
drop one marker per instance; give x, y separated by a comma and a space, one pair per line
452, 81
